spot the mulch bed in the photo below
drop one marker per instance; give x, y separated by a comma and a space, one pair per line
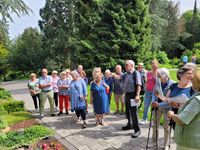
23, 124
51, 143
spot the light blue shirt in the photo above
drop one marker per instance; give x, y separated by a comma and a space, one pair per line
46, 80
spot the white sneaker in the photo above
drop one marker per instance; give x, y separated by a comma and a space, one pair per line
142, 122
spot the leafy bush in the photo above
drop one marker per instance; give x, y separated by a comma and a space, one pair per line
4, 95
30, 135
16, 117
175, 61
161, 56
2, 110
13, 106
3, 123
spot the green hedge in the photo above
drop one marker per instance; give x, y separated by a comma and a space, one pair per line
3, 123
13, 106
4, 95
14, 139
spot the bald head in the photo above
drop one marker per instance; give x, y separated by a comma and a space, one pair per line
118, 69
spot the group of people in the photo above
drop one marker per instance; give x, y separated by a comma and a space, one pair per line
154, 87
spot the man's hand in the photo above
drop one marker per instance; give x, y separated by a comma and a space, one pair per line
170, 114
174, 104
154, 104
137, 98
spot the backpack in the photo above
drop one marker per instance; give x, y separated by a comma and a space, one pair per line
142, 81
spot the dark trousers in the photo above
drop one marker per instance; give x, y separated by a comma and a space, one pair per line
131, 112
35, 99
81, 113
55, 96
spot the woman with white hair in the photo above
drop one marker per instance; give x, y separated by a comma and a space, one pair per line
77, 95
160, 111
99, 97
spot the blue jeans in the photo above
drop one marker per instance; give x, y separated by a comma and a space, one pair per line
147, 101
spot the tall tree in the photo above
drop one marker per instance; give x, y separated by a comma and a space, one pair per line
193, 27
170, 39
57, 26
26, 54
118, 30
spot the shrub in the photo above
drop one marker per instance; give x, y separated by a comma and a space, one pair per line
175, 61
4, 95
13, 106
30, 135
3, 123
2, 110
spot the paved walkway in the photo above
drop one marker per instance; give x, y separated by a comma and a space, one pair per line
109, 137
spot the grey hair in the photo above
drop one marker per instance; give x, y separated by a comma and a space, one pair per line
192, 66
182, 70
130, 62
164, 72
75, 73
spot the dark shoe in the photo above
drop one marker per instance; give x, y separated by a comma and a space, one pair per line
67, 113
116, 112
84, 125
136, 134
127, 127
52, 115
122, 113
59, 113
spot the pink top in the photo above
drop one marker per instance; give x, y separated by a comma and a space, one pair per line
151, 81
54, 84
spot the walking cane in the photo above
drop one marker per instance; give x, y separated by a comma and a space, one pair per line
170, 130
156, 113
149, 129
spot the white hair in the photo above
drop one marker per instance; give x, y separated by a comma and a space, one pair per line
130, 62
164, 72
75, 73
107, 71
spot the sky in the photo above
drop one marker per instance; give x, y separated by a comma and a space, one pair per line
17, 27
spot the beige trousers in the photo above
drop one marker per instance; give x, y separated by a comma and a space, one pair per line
43, 98
160, 113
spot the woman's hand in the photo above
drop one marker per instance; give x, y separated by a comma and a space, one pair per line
174, 104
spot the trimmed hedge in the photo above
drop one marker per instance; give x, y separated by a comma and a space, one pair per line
13, 106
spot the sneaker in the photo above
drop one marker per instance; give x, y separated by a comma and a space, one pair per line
84, 125
136, 134
116, 112
127, 127
59, 113
142, 122
41, 116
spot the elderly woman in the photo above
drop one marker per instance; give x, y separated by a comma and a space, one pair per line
77, 94
166, 82
187, 134
63, 86
55, 87
33, 86
99, 97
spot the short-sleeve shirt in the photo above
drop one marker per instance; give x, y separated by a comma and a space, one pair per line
129, 83
46, 80
118, 85
64, 82
151, 81
54, 84
33, 85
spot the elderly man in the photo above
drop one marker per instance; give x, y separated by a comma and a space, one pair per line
132, 86
118, 90
45, 84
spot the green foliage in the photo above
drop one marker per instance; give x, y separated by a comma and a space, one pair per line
4, 95
26, 53
175, 61
9, 7
2, 110
30, 135
161, 56
3, 123
16, 117
13, 106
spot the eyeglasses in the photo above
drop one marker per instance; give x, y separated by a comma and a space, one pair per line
126, 64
